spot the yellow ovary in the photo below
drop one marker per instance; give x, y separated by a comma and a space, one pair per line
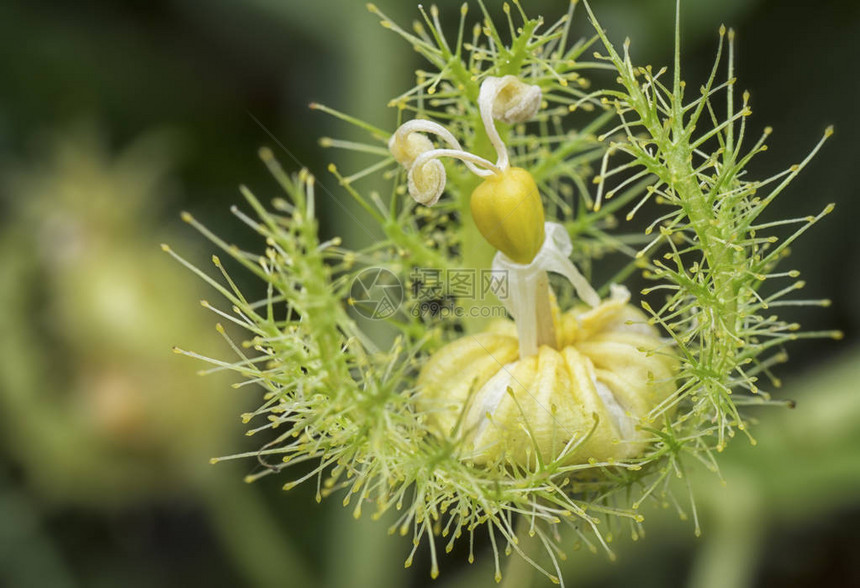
580, 401
508, 212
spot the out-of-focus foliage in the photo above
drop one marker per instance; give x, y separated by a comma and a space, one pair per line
96, 412
95, 408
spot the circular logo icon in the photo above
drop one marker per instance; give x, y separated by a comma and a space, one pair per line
376, 293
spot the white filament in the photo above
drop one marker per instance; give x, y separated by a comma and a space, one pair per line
426, 176
427, 126
490, 89
521, 301
523, 103
469, 158
622, 422
491, 394
426, 166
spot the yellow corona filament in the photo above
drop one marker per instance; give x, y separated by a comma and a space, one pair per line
508, 212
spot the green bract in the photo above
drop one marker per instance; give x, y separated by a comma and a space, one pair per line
337, 400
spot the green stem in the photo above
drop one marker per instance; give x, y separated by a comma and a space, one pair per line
261, 552
476, 253
680, 175
519, 573
28, 556
719, 256
361, 554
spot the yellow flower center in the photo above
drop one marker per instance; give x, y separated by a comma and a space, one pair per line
583, 400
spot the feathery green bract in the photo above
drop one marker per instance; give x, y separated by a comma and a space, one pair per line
720, 254
335, 400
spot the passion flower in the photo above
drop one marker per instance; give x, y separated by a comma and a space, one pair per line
552, 387
575, 414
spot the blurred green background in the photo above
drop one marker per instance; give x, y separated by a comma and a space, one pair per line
115, 115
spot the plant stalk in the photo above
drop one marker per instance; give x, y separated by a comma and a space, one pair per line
519, 573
